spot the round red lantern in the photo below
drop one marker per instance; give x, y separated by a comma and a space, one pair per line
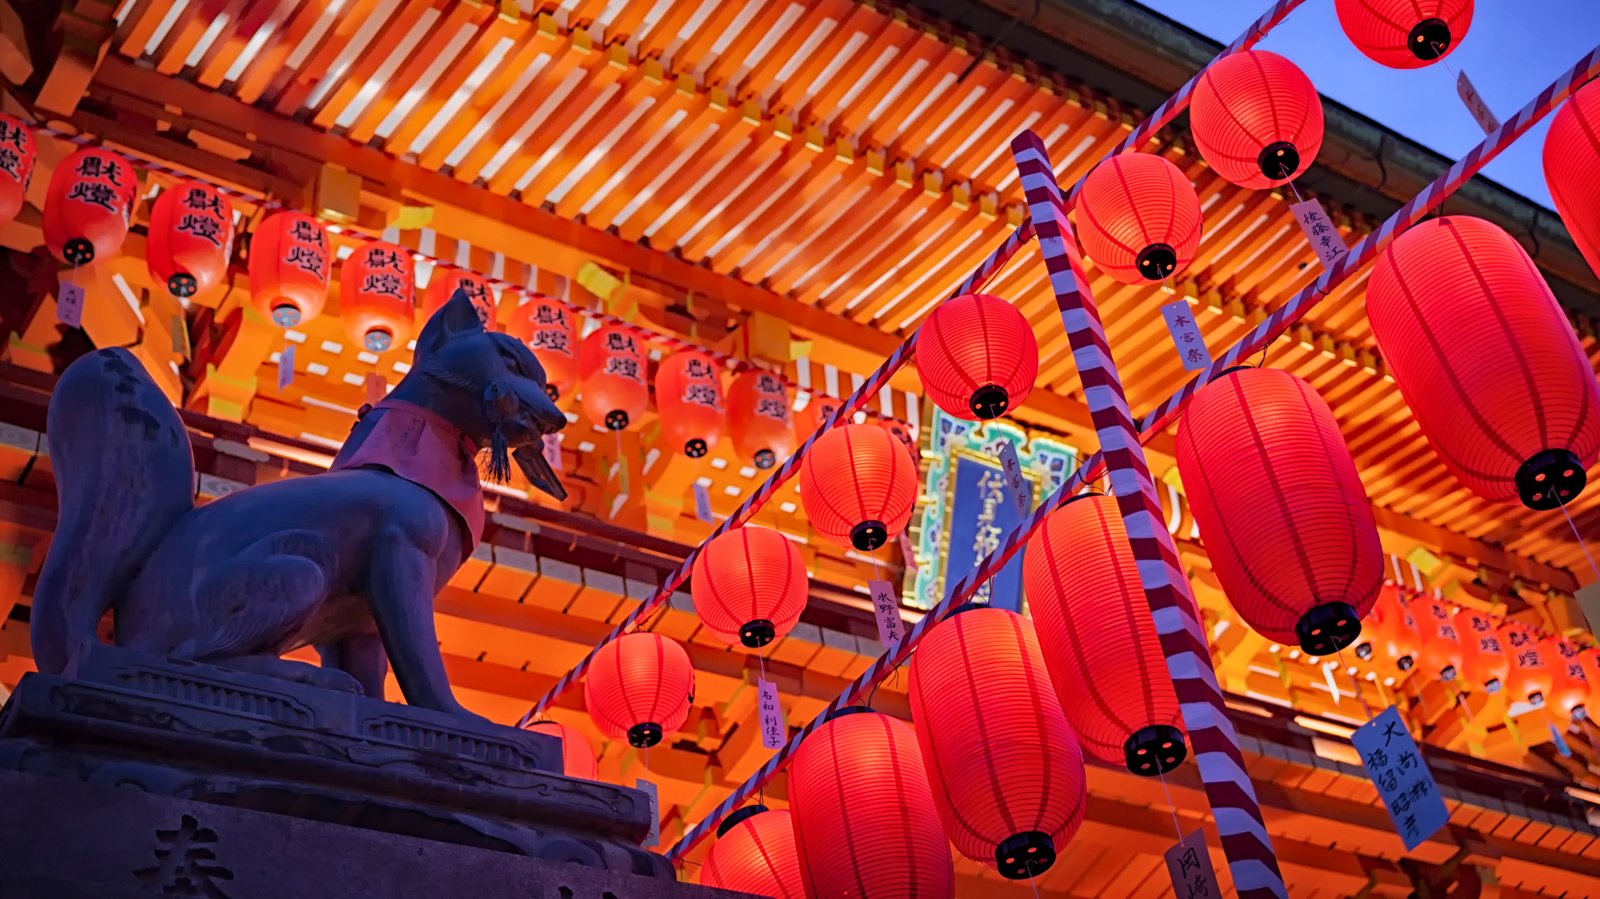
1098, 639
1138, 218
1404, 34
1572, 168
901, 432
858, 486
1443, 649
1007, 770
86, 213
577, 756
1529, 677
191, 238
1256, 118
749, 586
546, 326
1485, 662
1389, 633
813, 416
1486, 360
756, 853
446, 281
18, 156
864, 816
289, 268
689, 398
1282, 511
977, 356
758, 418
612, 367
640, 686
377, 296
1569, 683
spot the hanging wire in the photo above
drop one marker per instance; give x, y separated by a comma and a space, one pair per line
1354, 684
1171, 809
1579, 537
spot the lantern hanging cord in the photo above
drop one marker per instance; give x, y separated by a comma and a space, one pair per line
1283, 170
1579, 537
1171, 809
1355, 685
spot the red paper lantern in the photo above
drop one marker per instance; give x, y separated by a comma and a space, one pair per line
377, 296
864, 816
977, 356
1389, 634
1282, 511
1099, 640
191, 238
1486, 662
289, 268
547, 328
1404, 34
577, 756
18, 156
758, 418
1569, 683
1139, 218
1256, 118
446, 281
858, 486
901, 432
612, 366
86, 213
812, 417
756, 853
689, 398
640, 686
1007, 770
1589, 660
1444, 650
1529, 677
749, 586
1487, 361
1572, 168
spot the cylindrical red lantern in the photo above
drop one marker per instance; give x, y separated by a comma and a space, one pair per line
756, 853
1404, 34
289, 268
812, 417
1389, 634
758, 418
1006, 767
612, 367
577, 756
86, 213
1444, 650
1487, 361
191, 238
18, 156
377, 296
689, 398
547, 328
640, 686
749, 586
1569, 683
858, 486
1256, 118
1572, 168
1486, 662
1530, 675
446, 281
1099, 640
977, 356
1281, 509
1139, 218
864, 816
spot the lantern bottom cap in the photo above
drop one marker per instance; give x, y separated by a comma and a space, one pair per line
286, 315
765, 459
1364, 650
645, 735
1024, 855
732, 821
617, 420
78, 251
1157, 261
1328, 628
553, 392
1405, 663
869, 535
378, 340
694, 448
1550, 478
757, 633
1492, 685
182, 285
989, 402
1429, 40
1448, 672
1536, 698
1279, 161
1154, 749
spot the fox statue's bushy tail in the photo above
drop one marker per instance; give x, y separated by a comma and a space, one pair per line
124, 475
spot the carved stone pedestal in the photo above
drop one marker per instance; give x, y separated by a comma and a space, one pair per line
134, 775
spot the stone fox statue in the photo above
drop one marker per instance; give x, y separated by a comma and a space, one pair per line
347, 561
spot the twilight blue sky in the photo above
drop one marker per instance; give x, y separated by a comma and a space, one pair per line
1513, 50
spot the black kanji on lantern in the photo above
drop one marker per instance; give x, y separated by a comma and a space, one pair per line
94, 193
309, 232
307, 259
12, 134
701, 394
628, 368
203, 201
549, 315
617, 342
378, 257
698, 369
552, 340
386, 284
10, 161
202, 226
770, 408
95, 167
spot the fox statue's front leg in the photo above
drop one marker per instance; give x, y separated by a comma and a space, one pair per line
402, 577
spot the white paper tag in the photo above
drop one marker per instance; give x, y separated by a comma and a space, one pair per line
1404, 783
1190, 866
1319, 231
886, 611
180, 335
908, 553
69, 305
649, 789
1475, 105
286, 367
552, 451
772, 729
1186, 335
376, 388
1012, 469
702, 504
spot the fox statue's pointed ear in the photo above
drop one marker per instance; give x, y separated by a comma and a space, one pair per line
455, 318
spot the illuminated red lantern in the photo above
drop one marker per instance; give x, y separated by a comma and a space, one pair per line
1404, 34
612, 366
546, 326
1572, 168
1256, 118
18, 156
758, 418
813, 416
86, 213
749, 586
1569, 683
446, 281
1443, 649
191, 238
289, 268
1139, 218
977, 356
864, 816
901, 432
1098, 639
1486, 662
1529, 677
640, 686
756, 853
689, 398
1007, 770
1282, 511
858, 486
1486, 360
1389, 633
577, 756
377, 296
